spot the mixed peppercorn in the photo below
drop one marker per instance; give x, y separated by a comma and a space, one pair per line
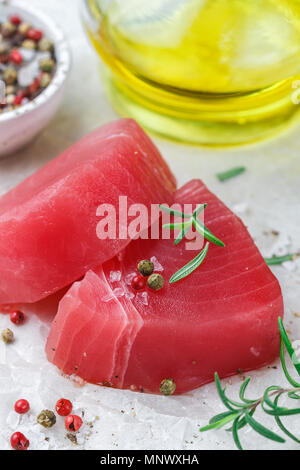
47, 419
27, 62
155, 281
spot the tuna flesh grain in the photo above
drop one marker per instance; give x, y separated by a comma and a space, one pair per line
48, 223
223, 317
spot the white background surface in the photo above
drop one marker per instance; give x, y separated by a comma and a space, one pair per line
267, 197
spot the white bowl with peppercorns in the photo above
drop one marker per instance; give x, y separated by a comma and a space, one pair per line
34, 65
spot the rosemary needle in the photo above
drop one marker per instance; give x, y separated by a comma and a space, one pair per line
185, 226
191, 266
226, 175
280, 259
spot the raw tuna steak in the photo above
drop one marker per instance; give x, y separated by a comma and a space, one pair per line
223, 317
48, 223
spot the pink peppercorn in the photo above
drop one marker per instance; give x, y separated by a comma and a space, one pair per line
22, 406
19, 442
73, 423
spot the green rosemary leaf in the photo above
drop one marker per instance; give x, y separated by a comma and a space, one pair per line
231, 173
243, 390
222, 393
279, 259
284, 368
285, 430
280, 411
262, 430
178, 226
235, 429
236, 404
281, 425
242, 422
294, 395
174, 212
219, 424
181, 235
190, 267
267, 399
288, 346
220, 416
199, 209
206, 233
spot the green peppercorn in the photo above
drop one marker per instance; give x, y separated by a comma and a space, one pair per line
10, 99
10, 76
29, 44
156, 281
47, 65
7, 336
145, 267
167, 387
3, 48
45, 45
8, 29
46, 418
10, 90
45, 80
24, 28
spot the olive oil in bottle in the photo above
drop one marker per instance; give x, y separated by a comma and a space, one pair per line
212, 72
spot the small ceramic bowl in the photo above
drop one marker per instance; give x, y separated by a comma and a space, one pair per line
19, 126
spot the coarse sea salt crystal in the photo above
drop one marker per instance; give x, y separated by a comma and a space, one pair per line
240, 208
43, 55
290, 266
27, 54
129, 295
143, 297
13, 419
77, 381
115, 276
157, 266
80, 439
117, 292
129, 277
280, 247
28, 73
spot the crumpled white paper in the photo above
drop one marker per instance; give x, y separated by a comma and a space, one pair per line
267, 197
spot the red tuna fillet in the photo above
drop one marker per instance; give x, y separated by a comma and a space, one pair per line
223, 317
48, 223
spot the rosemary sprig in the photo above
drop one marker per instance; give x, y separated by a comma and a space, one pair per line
175, 213
191, 266
193, 221
205, 232
240, 414
280, 259
226, 175
184, 227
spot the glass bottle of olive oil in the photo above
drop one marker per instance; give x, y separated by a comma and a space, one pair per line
212, 72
